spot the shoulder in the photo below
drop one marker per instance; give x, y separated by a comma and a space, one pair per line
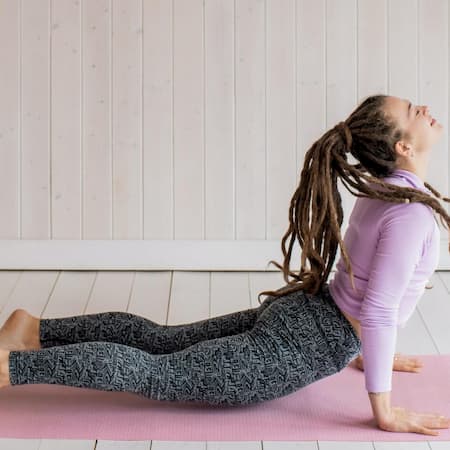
412, 218
415, 219
413, 209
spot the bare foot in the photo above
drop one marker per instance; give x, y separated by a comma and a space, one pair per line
20, 332
4, 368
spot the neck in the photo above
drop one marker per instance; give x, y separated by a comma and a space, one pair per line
420, 168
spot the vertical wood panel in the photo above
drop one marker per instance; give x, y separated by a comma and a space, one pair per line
188, 120
66, 120
402, 46
219, 120
372, 48
158, 119
96, 157
10, 144
35, 120
281, 114
127, 119
311, 77
250, 168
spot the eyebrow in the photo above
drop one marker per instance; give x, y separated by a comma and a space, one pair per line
409, 108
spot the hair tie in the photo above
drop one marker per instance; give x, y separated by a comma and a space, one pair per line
346, 134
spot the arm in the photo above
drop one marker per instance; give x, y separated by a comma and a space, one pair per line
399, 250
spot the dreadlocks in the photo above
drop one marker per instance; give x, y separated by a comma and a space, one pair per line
315, 212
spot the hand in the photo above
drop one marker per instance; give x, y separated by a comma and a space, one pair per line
401, 363
404, 421
406, 363
359, 362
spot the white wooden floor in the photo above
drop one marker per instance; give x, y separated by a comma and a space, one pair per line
179, 297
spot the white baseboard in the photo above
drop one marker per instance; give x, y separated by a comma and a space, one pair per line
203, 255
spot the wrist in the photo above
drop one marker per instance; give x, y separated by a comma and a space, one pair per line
381, 405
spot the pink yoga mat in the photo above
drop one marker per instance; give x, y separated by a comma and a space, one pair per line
335, 408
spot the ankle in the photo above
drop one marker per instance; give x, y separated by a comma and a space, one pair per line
4, 368
35, 328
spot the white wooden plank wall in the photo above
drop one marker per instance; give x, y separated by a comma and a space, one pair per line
189, 119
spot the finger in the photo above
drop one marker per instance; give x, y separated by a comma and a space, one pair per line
440, 426
408, 366
438, 422
423, 430
410, 361
413, 362
402, 367
428, 415
414, 367
435, 425
400, 357
434, 421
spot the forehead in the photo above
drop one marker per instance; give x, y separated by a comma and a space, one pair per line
398, 107
398, 103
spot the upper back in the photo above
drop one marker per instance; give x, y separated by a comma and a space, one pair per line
377, 239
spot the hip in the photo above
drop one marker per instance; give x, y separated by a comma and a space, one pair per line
299, 320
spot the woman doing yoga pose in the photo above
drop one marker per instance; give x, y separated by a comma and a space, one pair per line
309, 328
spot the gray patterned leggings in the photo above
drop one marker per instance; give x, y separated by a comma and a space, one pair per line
245, 357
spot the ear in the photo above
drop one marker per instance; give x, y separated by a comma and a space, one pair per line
403, 149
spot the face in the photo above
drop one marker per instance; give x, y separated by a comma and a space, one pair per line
417, 121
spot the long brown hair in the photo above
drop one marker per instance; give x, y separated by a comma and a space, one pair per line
315, 212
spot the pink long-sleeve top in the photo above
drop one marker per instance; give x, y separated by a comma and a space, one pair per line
393, 249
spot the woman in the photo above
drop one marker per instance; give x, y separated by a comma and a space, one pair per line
304, 331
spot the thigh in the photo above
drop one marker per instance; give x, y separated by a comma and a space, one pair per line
232, 370
283, 352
